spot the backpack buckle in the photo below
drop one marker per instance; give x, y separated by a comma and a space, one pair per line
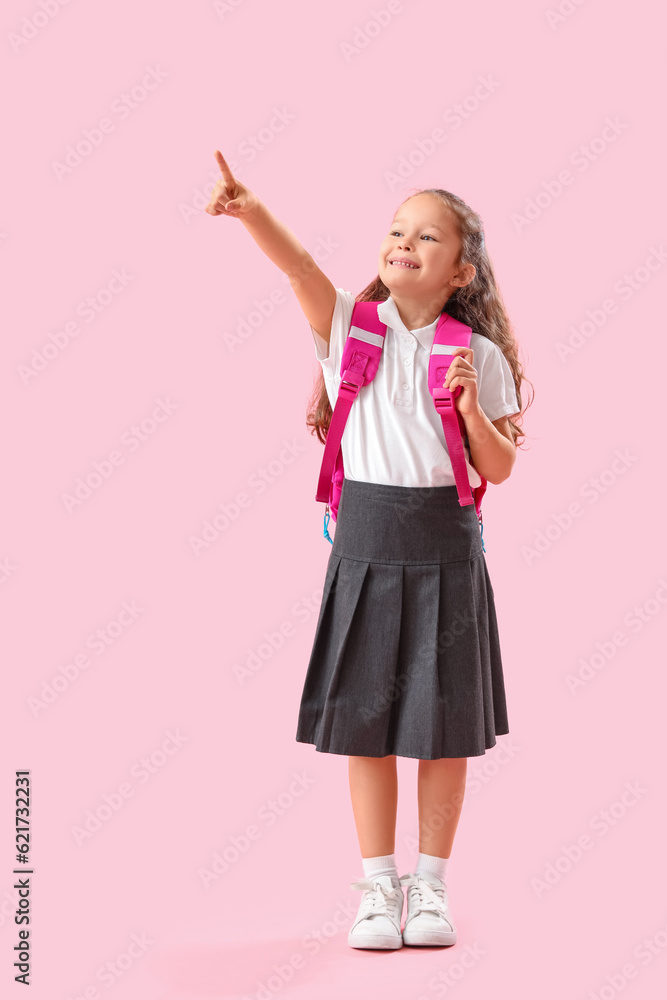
350, 383
442, 398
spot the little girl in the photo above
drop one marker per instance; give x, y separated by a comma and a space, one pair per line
406, 656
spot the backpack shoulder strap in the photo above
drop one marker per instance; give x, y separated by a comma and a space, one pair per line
359, 364
452, 333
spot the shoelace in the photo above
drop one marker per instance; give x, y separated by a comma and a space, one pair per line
429, 897
376, 898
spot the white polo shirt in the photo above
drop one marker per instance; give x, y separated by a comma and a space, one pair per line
394, 433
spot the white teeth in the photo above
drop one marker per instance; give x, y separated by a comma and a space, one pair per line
402, 263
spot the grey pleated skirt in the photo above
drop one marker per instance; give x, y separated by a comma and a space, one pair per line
406, 656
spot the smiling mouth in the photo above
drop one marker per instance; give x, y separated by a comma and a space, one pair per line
402, 263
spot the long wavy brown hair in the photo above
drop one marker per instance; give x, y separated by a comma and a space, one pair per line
478, 304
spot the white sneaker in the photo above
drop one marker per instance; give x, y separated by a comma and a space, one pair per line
378, 921
428, 919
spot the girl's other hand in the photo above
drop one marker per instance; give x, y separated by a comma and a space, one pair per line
229, 196
461, 373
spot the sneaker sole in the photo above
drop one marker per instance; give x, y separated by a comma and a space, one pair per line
429, 937
374, 941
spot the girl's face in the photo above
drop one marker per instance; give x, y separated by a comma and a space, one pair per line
424, 233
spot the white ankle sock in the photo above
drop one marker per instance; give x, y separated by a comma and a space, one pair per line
384, 864
434, 865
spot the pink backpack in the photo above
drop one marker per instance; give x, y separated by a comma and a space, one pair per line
358, 367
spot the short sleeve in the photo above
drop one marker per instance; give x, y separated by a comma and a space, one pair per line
330, 355
495, 383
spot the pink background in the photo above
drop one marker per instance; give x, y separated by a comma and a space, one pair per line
357, 99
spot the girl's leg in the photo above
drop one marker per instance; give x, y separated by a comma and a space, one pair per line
374, 793
440, 792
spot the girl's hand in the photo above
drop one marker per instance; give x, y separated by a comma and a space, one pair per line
461, 373
229, 196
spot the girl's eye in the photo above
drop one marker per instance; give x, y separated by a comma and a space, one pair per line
395, 232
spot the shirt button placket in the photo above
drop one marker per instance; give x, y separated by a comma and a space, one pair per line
407, 361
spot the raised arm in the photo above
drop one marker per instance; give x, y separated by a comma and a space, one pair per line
315, 292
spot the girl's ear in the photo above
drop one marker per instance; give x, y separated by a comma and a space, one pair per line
466, 274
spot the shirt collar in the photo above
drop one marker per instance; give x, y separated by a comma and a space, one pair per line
388, 313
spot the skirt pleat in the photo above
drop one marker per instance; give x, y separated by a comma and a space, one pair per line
406, 655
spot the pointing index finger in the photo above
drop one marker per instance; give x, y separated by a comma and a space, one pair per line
227, 175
